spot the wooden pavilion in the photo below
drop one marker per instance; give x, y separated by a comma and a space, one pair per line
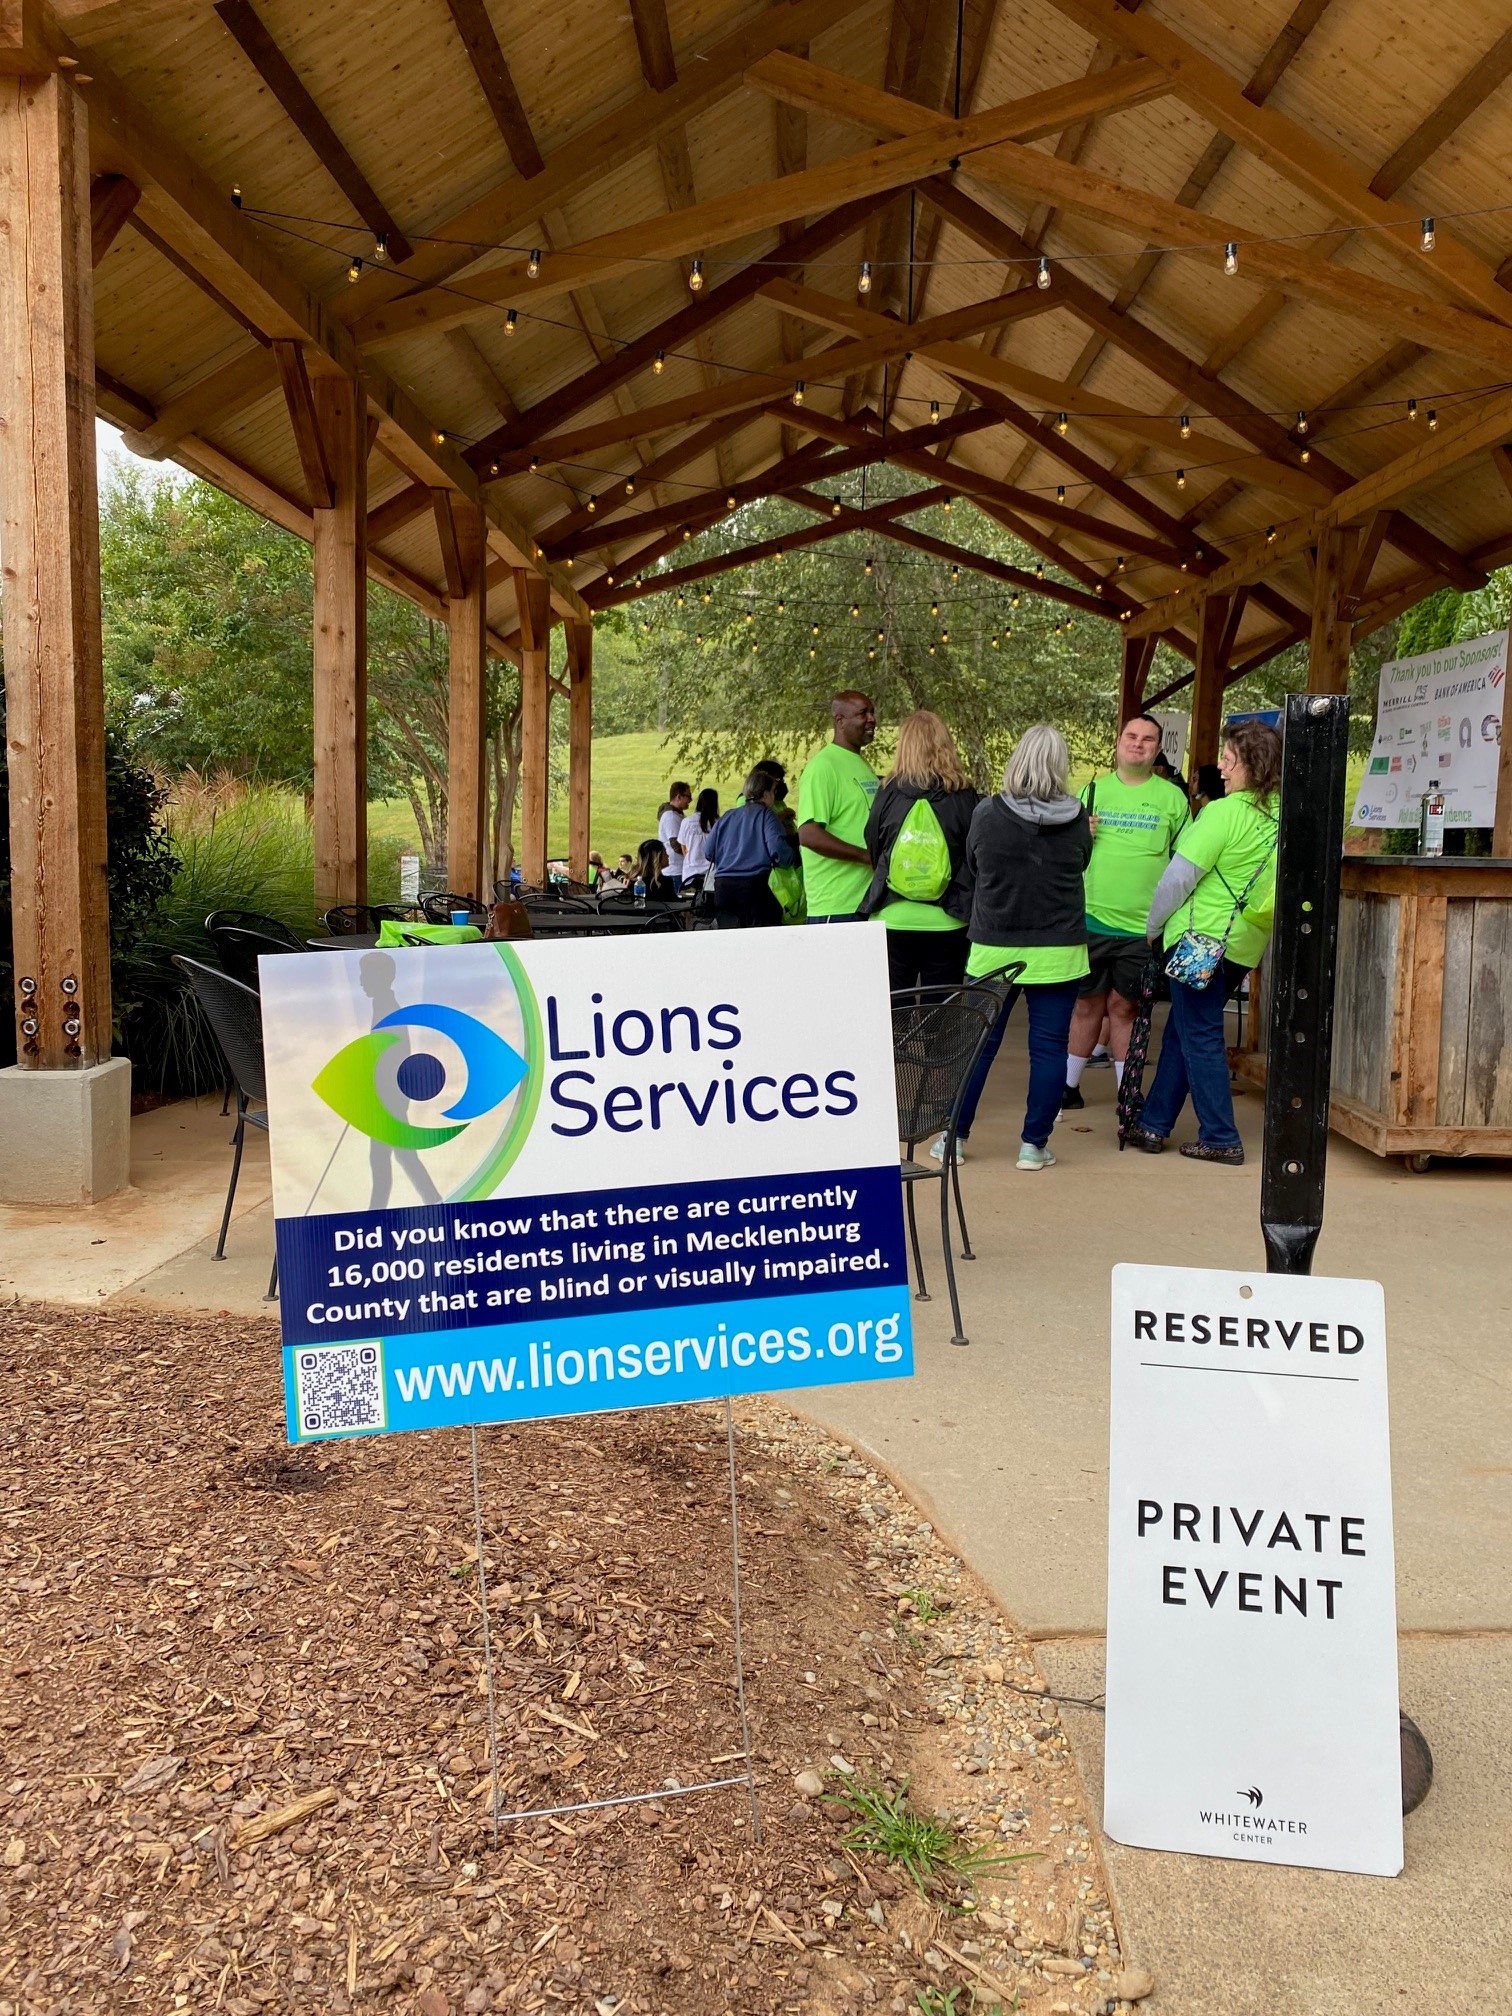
1208, 303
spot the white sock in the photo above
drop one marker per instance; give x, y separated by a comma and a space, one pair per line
1118, 1071
1074, 1068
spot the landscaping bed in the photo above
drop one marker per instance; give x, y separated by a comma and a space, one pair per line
245, 1721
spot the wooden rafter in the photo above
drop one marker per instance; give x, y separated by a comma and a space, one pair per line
192, 273
893, 165
250, 33
308, 438
480, 39
112, 198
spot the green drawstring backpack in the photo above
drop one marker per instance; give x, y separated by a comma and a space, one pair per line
918, 868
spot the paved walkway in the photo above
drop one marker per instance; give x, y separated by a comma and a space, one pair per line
1005, 1445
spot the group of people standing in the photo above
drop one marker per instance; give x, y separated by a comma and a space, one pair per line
1064, 900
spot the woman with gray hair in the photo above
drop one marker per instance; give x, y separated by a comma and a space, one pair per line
1026, 853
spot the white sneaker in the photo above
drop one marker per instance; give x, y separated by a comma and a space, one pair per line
937, 1149
1031, 1157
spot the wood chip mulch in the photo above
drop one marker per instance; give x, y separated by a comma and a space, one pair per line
244, 1721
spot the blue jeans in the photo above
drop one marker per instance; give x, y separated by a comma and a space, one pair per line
1194, 1059
1050, 1008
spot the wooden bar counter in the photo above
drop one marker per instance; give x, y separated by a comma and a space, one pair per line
1421, 1065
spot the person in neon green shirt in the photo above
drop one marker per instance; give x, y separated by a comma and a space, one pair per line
1222, 882
1136, 818
835, 796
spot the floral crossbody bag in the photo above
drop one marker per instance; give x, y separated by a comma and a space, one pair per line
1197, 955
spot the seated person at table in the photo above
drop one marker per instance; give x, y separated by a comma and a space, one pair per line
651, 869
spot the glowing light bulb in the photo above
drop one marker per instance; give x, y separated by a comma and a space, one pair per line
533, 264
695, 277
1432, 421
835, 507
1412, 409
1181, 479
593, 503
354, 271
1060, 493
1301, 421
934, 411
798, 392
1061, 423
730, 501
1042, 277
1231, 258
864, 278
380, 245
511, 321
1186, 426
1430, 237
659, 362
629, 486
855, 608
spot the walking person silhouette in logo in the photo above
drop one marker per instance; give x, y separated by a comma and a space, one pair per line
376, 974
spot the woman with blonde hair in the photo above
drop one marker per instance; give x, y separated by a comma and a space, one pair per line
1026, 854
916, 835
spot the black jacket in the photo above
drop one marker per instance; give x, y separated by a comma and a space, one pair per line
889, 809
1027, 877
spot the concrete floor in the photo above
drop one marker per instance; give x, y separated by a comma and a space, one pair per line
1005, 1445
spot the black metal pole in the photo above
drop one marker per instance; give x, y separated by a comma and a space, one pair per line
1304, 952
1295, 1154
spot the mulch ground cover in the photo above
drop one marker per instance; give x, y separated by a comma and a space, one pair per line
244, 1718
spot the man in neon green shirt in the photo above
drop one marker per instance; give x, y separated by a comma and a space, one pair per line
1136, 818
835, 796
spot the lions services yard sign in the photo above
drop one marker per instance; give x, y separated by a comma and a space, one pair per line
519, 1180
1252, 1665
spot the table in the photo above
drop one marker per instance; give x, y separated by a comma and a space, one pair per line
546, 922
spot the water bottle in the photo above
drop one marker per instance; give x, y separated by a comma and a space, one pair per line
640, 893
1431, 826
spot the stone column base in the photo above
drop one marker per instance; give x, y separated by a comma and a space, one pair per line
65, 1136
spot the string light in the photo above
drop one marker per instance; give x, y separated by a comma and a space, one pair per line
1186, 426
815, 629
535, 460
779, 555
695, 277
864, 279
812, 652
592, 503
994, 643
1118, 564
533, 264
934, 608
781, 606
1306, 455
511, 321
1432, 421
1181, 479
629, 486
798, 391
944, 636
855, 608
380, 245
955, 576
681, 599
659, 362
698, 636
1430, 237
749, 616
438, 436
708, 598
1060, 493
1412, 409
1039, 572
1042, 278
834, 507
1301, 421
1231, 258
687, 531
1013, 601
931, 650
945, 504
493, 468
871, 565
354, 271
730, 501
236, 195
1061, 423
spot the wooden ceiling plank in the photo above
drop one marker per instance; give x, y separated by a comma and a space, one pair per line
763, 206
1501, 462
193, 274
250, 33
250, 376
112, 198
385, 519
308, 439
1292, 151
1484, 76
480, 39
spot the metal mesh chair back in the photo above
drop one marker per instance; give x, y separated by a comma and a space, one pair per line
345, 920
234, 1013
239, 950
254, 920
937, 1035
397, 913
439, 906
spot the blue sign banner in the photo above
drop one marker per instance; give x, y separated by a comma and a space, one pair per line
520, 1180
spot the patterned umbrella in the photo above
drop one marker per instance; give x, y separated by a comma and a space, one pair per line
1130, 1092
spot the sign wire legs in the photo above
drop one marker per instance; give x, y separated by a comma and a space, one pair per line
488, 1665
745, 1727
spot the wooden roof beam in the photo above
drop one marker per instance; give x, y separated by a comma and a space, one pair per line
892, 165
112, 198
614, 497
1292, 151
1430, 460
305, 422
1483, 77
480, 39
250, 33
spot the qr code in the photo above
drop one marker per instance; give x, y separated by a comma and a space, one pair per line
338, 1389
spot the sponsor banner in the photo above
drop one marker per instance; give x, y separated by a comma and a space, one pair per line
1438, 719
1252, 1671
489, 1148
1174, 728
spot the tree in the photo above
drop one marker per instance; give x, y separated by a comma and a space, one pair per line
747, 661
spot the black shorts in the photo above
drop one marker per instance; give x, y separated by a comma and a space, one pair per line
1116, 965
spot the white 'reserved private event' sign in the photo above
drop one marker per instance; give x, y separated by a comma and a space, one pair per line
1252, 1663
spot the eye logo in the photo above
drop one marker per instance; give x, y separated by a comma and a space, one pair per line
364, 1089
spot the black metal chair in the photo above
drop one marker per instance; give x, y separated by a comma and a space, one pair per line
234, 1013
439, 906
239, 948
254, 920
346, 920
396, 913
938, 1035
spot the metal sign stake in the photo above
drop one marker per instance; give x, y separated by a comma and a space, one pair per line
488, 1665
745, 1727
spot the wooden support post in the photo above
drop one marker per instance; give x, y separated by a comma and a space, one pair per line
340, 710
533, 598
1501, 832
50, 553
1207, 685
466, 780
579, 745
1332, 630
1138, 656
